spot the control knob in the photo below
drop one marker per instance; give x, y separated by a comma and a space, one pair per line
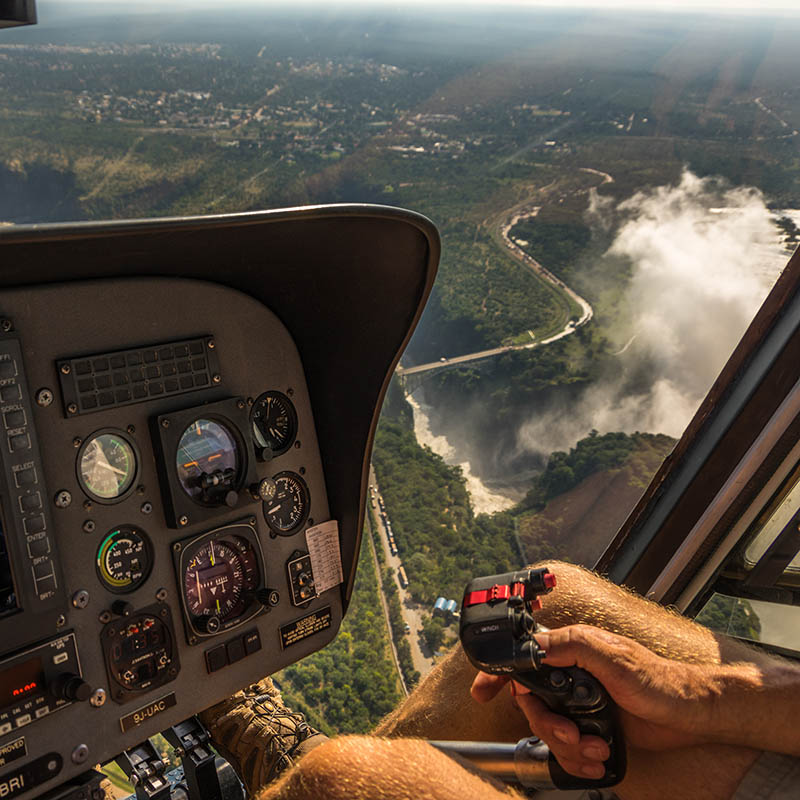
68, 686
269, 598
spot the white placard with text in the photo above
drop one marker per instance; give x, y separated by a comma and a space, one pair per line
326, 557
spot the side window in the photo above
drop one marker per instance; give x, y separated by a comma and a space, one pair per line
755, 594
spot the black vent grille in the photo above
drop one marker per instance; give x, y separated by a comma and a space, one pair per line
108, 380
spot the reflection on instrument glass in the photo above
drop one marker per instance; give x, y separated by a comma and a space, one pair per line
274, 422
107, 466
219, 583
124, 559
289, 510
208, 462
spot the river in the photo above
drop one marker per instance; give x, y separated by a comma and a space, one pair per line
485, 500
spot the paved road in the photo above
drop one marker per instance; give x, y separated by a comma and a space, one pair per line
412, 612
386, 617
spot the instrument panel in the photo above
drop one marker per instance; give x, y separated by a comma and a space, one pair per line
160, 477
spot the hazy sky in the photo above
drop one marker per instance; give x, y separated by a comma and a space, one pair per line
682, 5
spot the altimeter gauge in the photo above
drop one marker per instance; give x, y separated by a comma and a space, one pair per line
288, 510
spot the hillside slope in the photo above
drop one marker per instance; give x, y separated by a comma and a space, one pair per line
578, 524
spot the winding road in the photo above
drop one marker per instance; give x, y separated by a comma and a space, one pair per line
514, 216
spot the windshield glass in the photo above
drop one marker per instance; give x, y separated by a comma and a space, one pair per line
617, 189
775, 524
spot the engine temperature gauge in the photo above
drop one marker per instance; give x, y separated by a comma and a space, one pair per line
287, 512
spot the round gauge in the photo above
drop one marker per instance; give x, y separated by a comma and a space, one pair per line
107, 466
124, 559
218, 583
208, 461
274, 422
289, 509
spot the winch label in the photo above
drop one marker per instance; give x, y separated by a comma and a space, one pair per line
12, 751
306, 626
136, 718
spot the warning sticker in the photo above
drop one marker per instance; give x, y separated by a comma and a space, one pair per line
12, 751
326, 557
306, 626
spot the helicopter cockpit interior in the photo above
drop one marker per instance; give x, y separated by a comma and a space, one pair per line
187, 409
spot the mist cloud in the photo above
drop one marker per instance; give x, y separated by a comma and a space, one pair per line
704, 257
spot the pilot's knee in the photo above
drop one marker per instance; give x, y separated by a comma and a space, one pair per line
569, 577
331, 769
575, 587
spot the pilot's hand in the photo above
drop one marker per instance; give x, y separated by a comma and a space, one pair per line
663, 704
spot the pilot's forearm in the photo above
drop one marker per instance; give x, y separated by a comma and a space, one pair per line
756, 706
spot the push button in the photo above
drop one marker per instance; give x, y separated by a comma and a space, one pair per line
30, 502
235, 651
25, 477
46, 586
39, 547
252, 642
34, 524
42, 570
14, 419
20, 441
8, 368
216, 658
10, 394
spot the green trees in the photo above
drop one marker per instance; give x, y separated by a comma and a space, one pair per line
433, 632
557, 244
595, 453
732, 616
442, 544
352, 683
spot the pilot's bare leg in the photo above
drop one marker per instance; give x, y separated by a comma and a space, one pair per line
368, 768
